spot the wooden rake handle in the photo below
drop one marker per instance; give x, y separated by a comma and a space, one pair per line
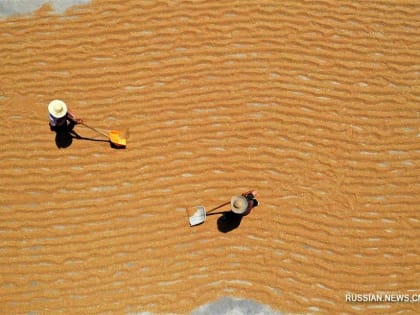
218, 207
96, 130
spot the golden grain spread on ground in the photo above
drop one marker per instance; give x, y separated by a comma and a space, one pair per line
313, 103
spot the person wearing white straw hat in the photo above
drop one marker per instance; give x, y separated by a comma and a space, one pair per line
241, 205
244, 203
60, 116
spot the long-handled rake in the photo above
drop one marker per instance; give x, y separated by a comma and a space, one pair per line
115, 137
200, 214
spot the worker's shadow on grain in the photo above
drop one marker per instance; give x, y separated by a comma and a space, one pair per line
64, 136
228, 221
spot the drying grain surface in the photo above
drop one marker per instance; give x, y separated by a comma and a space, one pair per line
314, 104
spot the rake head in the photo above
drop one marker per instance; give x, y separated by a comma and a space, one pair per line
118, 138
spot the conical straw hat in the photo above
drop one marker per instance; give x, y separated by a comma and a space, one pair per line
57, 108
239, 204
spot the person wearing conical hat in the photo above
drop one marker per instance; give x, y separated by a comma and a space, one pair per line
241, 205
244, 203
60, 116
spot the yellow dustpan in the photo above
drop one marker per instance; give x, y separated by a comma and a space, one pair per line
115, 137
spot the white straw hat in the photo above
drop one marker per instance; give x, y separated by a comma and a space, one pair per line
57, 108
239, 204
